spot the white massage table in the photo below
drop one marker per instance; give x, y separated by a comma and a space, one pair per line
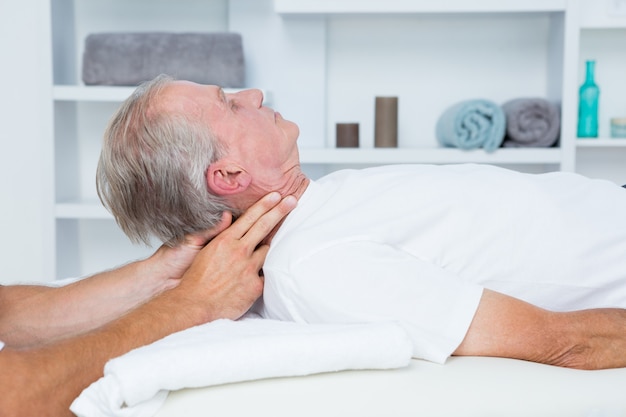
464, 386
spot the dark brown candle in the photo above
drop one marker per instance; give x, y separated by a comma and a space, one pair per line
386, 122
347, 135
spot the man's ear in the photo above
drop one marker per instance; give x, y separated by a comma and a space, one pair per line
227, 178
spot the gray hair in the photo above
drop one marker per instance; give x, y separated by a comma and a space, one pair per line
151, 172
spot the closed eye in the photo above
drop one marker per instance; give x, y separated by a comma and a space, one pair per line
230, 102
221, 95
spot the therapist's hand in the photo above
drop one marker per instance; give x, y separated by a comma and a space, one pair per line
168, 264
225, 278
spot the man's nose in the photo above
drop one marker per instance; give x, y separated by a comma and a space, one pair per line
252, 96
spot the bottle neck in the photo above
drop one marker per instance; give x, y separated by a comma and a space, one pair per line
590, 72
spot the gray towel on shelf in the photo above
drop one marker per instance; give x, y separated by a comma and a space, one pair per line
472, 124
132, 58
531, 122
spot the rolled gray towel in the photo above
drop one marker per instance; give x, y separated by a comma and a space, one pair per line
132, 58
531, 122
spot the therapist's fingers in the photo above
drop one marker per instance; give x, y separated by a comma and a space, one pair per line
258, 256
259, 220
200, 239
259, 217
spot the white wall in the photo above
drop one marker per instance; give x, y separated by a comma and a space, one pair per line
288, 58
25, 137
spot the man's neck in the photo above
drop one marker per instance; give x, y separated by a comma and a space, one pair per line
298, 188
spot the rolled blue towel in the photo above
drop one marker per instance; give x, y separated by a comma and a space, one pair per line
131, 58
472, 124
531, 122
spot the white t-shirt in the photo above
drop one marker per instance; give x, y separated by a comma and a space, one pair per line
417, 244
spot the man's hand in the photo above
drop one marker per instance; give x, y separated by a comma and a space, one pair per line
224, 279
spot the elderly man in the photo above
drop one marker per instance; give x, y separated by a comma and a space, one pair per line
469, 259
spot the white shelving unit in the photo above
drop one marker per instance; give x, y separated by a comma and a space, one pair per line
324, 61
86, 238
555, 21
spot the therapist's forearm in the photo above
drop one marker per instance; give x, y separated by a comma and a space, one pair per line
44, 381
30, 315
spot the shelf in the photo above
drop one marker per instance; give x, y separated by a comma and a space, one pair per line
92, 93
93, 209
415, 6
604, 23
430, 156
111, 93
601, 143
603, 17
89, 209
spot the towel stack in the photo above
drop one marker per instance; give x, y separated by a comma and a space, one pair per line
480, 123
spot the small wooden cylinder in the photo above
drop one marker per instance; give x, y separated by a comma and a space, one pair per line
386, 122
347, 135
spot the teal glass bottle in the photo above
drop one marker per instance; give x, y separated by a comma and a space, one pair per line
589, 96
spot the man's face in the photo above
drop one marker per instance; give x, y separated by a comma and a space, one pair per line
254, 136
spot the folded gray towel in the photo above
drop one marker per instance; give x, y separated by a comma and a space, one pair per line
132, 58
531, 122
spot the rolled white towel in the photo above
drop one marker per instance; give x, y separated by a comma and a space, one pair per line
224, 351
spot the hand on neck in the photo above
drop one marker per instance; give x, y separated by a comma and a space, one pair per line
295, 185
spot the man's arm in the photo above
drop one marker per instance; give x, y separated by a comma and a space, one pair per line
507, 327
222, 282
